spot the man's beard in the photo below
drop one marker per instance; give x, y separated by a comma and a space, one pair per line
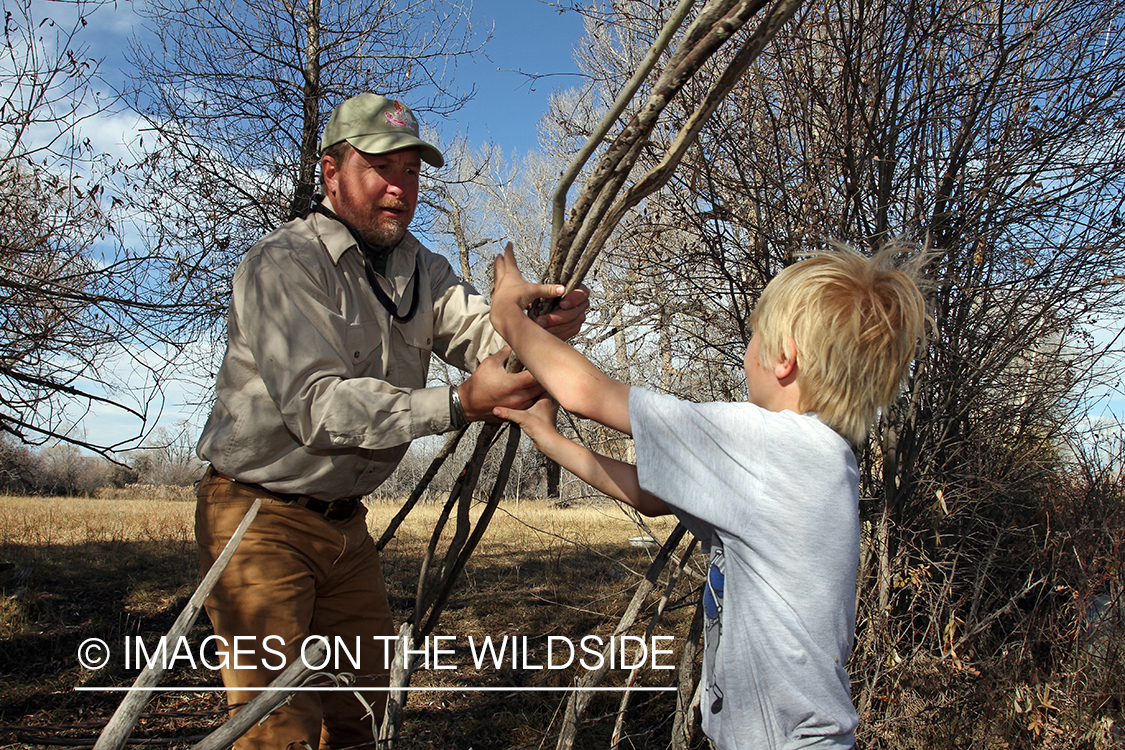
384, 231
366, 221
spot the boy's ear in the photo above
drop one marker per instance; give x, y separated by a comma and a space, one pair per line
786, 367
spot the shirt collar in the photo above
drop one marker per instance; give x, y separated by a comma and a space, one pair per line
338, 240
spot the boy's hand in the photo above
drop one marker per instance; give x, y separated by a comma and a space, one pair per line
491, 386
538, 421
513, 294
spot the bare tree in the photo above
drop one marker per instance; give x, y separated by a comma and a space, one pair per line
76, 310
235, 96
988, 134
19, 468
66, 470
461, 203
168, 458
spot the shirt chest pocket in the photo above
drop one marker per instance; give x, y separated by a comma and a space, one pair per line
413, 340
363, 343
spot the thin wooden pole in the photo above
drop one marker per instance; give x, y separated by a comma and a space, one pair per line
120, 726
579, 700
266, 701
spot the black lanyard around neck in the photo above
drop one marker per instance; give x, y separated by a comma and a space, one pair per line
387, 303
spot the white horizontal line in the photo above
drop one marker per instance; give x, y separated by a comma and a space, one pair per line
438, 689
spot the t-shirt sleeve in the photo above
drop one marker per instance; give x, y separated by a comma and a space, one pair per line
682, 460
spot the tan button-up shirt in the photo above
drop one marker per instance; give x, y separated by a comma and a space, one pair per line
321, 391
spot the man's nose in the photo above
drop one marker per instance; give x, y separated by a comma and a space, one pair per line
397, 181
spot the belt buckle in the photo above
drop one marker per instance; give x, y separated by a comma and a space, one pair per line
338, 510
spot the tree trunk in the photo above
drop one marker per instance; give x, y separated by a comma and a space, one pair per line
310, 127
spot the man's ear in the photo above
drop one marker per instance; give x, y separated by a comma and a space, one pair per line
328, 169
786, 367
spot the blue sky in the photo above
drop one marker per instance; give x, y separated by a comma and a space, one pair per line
528, 37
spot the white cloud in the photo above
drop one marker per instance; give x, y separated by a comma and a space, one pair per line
115, 134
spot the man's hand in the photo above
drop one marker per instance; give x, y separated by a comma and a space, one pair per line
491, 386
566, 321
513, 295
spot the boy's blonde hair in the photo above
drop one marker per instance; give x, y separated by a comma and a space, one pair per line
856, 321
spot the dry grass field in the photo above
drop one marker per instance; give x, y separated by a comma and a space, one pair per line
73, 569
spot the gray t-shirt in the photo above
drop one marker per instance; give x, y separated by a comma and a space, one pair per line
775, 496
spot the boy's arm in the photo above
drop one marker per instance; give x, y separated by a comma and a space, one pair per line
568, 376
615, 478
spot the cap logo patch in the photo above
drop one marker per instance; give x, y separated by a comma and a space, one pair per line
400, 117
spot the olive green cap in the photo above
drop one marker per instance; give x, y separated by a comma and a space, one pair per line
376, 125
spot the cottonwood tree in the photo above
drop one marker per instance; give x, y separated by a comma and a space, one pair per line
989, 134
461, 203
76, 310
66, 470
19, 468
992, 135
236, 95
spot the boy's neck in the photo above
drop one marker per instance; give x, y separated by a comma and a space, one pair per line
783, 397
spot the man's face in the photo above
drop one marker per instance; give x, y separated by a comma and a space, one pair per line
375, 193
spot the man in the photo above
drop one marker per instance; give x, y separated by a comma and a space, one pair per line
332, 322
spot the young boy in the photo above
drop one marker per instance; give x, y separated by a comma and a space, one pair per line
770, 486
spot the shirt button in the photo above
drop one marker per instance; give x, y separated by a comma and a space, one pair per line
357, 355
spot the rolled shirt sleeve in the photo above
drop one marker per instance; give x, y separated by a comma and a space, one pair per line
321, 390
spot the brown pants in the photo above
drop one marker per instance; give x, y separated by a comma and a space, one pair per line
295, 574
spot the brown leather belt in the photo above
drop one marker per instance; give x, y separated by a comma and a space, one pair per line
333, 510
